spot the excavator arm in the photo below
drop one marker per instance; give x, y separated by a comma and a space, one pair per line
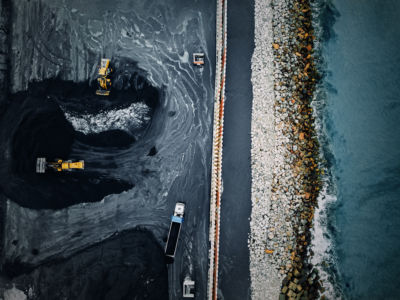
103, 80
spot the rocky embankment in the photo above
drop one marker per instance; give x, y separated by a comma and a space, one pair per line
284, 152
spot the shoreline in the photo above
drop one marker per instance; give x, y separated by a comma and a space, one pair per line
285, 152
324, 257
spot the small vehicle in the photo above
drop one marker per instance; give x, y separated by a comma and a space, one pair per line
188, 288
174, 230
58, 166
103, 78
198, 59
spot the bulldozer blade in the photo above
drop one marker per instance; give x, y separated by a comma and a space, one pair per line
102, 93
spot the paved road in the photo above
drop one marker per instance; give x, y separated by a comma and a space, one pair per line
234, 279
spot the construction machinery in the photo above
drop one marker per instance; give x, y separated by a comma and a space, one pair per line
188, 288
174, 230
103, 78
198, 59
59, 165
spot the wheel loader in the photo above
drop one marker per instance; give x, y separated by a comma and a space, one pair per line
59, 165
103, 78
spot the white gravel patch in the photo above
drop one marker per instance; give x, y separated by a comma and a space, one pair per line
265, 278
132, 117
14, 294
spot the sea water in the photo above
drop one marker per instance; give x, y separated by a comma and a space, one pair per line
361, 143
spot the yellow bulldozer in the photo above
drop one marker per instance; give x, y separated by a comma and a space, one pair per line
59, 165
103, 78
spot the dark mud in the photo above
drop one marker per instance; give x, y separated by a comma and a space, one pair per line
33, 124
167, 158
129, 265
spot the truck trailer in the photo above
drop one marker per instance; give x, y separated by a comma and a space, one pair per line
174, 230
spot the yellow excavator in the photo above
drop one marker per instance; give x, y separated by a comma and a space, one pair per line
103, 78
59, 165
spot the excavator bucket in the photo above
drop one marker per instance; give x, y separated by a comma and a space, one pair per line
104, 68
40, 165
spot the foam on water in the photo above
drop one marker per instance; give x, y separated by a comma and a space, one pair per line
323, 255
324, 258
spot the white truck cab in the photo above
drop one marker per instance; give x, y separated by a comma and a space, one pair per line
179, 209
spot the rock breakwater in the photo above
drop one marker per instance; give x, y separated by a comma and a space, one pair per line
285, 166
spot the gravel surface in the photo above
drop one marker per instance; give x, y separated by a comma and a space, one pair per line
265, 279
285, 170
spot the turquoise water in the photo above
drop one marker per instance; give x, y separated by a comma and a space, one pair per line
361, 53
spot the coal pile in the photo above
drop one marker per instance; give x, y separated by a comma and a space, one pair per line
129, 265
34, 124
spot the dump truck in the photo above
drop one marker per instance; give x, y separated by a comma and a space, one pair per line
198, 59
59, 165
174, 230
103, 78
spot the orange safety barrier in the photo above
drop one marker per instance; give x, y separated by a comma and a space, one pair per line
217, 151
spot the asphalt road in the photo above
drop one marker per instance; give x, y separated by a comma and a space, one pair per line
234, 277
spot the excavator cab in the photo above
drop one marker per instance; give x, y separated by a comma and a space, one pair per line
69, 165
103, 78
59, 165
